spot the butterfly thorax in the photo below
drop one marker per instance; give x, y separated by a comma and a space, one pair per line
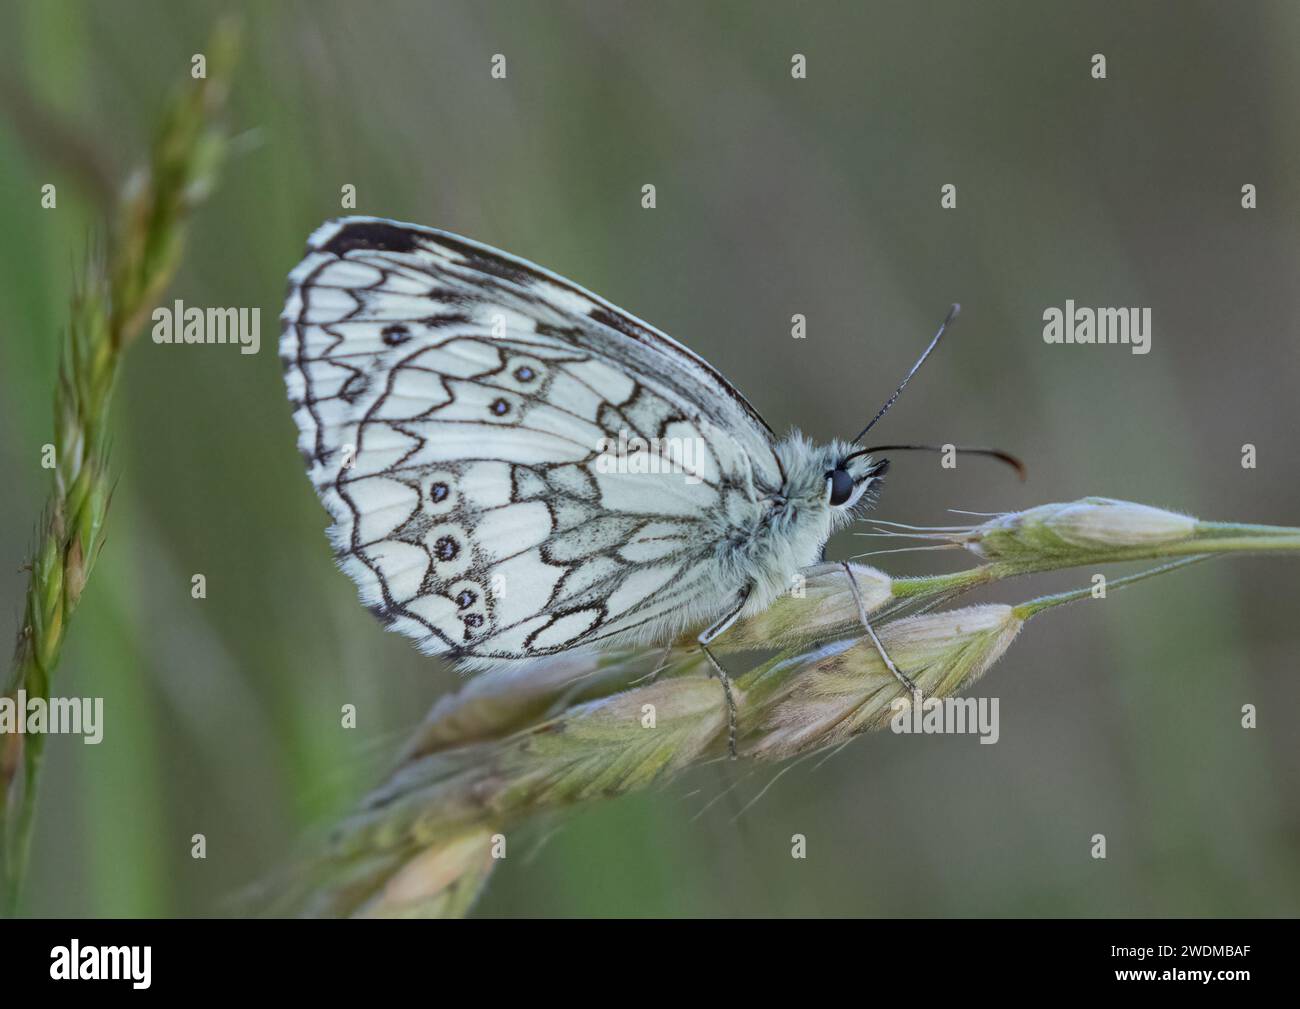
794, 523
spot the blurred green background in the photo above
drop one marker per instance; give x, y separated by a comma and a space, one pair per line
775, 197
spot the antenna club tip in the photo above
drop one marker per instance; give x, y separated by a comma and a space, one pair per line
955, 310
1021, 469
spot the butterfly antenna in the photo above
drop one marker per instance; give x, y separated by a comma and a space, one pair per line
952, 314
992, 453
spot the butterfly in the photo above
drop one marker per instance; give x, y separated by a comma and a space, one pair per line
515, 467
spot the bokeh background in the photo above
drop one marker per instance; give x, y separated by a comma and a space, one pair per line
775, 196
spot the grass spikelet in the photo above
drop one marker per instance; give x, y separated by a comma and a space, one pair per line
108, 310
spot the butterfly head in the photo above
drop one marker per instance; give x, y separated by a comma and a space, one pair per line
834, 482
850, 476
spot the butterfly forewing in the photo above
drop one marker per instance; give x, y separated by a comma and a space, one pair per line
454, 404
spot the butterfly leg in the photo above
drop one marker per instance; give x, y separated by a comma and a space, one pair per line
663, 663
705, 637
913, 690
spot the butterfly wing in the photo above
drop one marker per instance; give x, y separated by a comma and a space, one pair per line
456, 407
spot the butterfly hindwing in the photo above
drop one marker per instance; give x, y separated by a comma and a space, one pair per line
454, 404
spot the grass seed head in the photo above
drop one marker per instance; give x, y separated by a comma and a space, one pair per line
1056, 530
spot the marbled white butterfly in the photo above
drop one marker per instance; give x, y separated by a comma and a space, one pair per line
458, 410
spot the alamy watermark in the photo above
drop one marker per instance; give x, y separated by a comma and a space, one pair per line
55, 716
192, 325
75, 962
927, 716
631, 453
1073, 324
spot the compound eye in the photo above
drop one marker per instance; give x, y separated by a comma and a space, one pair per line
841, 486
